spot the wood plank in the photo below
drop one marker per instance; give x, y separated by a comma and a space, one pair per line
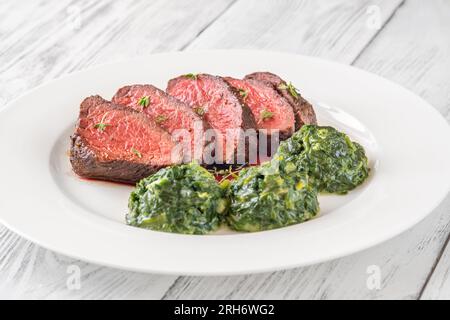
320, 284
415, 52
28, 271
438, 288
404, 263
43, 40
334, 29
412, 49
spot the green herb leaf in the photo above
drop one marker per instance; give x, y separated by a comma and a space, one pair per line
289, 87
101, 126
232, 172
160, 119
266, 115
192, 76
144, 101
225, 174
243, 93
199, 110
136, 152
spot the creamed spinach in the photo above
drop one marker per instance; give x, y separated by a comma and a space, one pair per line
181, 199
333, 162
263, 199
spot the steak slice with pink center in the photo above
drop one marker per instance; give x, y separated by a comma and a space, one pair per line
271, 111
303, 110
221, 107
115, 143
169, 113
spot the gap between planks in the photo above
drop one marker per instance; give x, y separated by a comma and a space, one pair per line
389, 18
433, 268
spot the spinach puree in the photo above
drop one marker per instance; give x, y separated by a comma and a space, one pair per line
331, 160
181, 199
187, 199
262, 199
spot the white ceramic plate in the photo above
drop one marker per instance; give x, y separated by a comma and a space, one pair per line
407, 141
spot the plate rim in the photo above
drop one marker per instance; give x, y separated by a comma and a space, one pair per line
275, 267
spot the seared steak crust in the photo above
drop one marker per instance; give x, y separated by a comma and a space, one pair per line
220, 105
127, 148
85, 164
303, 110
169, 113
271, 111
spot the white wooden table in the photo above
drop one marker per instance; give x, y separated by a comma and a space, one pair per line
405, 41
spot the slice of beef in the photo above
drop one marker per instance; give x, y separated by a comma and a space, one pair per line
221, 106
270, 109
303, 110
171, 114
115, 143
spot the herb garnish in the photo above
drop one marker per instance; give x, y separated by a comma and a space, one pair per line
230, 172
243, 93
144, 101
289, 87
136, 152
160, 119
199, 110
192, 76
266, 115
101, 126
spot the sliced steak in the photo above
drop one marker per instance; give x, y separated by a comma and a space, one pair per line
115, 143
221, 106
303, 110
171, 114
270, 109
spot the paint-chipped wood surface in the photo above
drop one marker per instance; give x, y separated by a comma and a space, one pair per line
404, 41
